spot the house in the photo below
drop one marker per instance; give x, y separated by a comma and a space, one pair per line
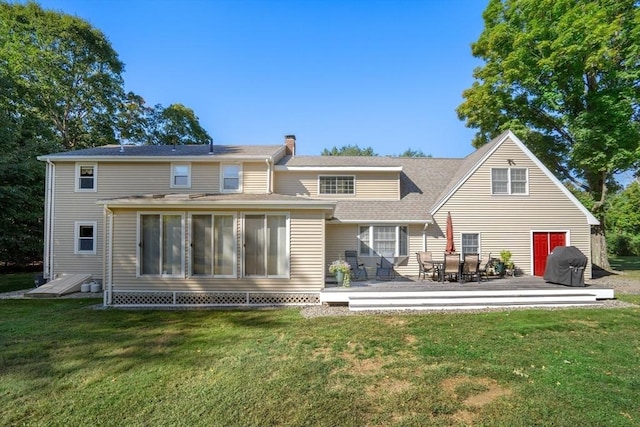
220, 225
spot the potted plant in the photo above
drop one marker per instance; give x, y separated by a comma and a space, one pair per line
505, 258
342, 270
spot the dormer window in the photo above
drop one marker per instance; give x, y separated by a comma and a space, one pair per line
336, 185
180, 175
86, 177
509, 181
231, 179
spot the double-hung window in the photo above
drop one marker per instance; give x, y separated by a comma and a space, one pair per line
85, 237
161, 245
180, 175
509, 181
383, 240
213, 245
336, 185
266, 245
470, 243
86, 177
230, 178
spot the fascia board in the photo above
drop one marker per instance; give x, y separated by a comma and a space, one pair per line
203, 158
284, 168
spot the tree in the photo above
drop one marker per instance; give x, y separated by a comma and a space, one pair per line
623, 221
413, 153
175, 124
63, 71
564, 75
61, 88
348, 150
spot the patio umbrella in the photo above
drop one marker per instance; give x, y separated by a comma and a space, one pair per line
451, 247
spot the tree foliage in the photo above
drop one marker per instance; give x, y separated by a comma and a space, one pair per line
565, 76
413, 153
61, 88
175, 124
623, 221
348, 150
63, 71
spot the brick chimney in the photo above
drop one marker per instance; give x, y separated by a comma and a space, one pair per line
290, 142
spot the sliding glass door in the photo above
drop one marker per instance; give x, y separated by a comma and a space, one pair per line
266, 245
213, 245
161, 245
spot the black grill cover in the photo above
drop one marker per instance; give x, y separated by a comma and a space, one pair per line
565, 266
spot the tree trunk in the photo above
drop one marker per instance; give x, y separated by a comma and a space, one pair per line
599, 258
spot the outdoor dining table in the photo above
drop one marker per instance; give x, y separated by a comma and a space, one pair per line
439, 264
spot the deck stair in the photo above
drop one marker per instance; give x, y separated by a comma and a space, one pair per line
469, 301
63, 285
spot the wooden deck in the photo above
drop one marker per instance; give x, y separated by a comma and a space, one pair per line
415, 294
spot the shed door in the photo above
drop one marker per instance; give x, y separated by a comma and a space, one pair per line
543, 244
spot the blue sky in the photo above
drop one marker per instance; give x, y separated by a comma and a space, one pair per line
382, 74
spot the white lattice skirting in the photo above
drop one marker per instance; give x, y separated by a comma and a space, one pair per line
210, 299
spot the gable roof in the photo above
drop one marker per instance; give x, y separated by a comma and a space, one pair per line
203, 152
476, 159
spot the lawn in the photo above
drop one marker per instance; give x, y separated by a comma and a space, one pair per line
64, 363
629, 264
16, 282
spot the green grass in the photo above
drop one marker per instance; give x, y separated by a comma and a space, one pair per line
16, 282
63, 363
630, 265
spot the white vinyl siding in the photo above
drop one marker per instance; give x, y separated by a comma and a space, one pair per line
85, 237
506, 223
180, 175
86, 177
367, 185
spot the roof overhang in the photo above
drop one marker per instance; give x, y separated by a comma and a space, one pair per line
285, 168
196, 201
424, 222
150, 159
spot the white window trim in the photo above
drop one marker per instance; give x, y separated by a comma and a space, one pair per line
479, 242
181, 275
76, 237
235, 246
222, 167
95, 178
287, 216
173, 175
337, 194
397, 242
509, 192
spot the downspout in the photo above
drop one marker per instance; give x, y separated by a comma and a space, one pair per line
47, 270
269, 177
108, 256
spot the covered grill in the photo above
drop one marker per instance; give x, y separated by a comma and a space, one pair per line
565, 266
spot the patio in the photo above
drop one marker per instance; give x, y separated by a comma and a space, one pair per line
412, 293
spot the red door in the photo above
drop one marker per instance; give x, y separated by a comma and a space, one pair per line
543, 244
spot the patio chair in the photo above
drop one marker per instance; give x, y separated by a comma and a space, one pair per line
451, 267
470, 267
426, 265
384, 270
357, 268
484, 267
